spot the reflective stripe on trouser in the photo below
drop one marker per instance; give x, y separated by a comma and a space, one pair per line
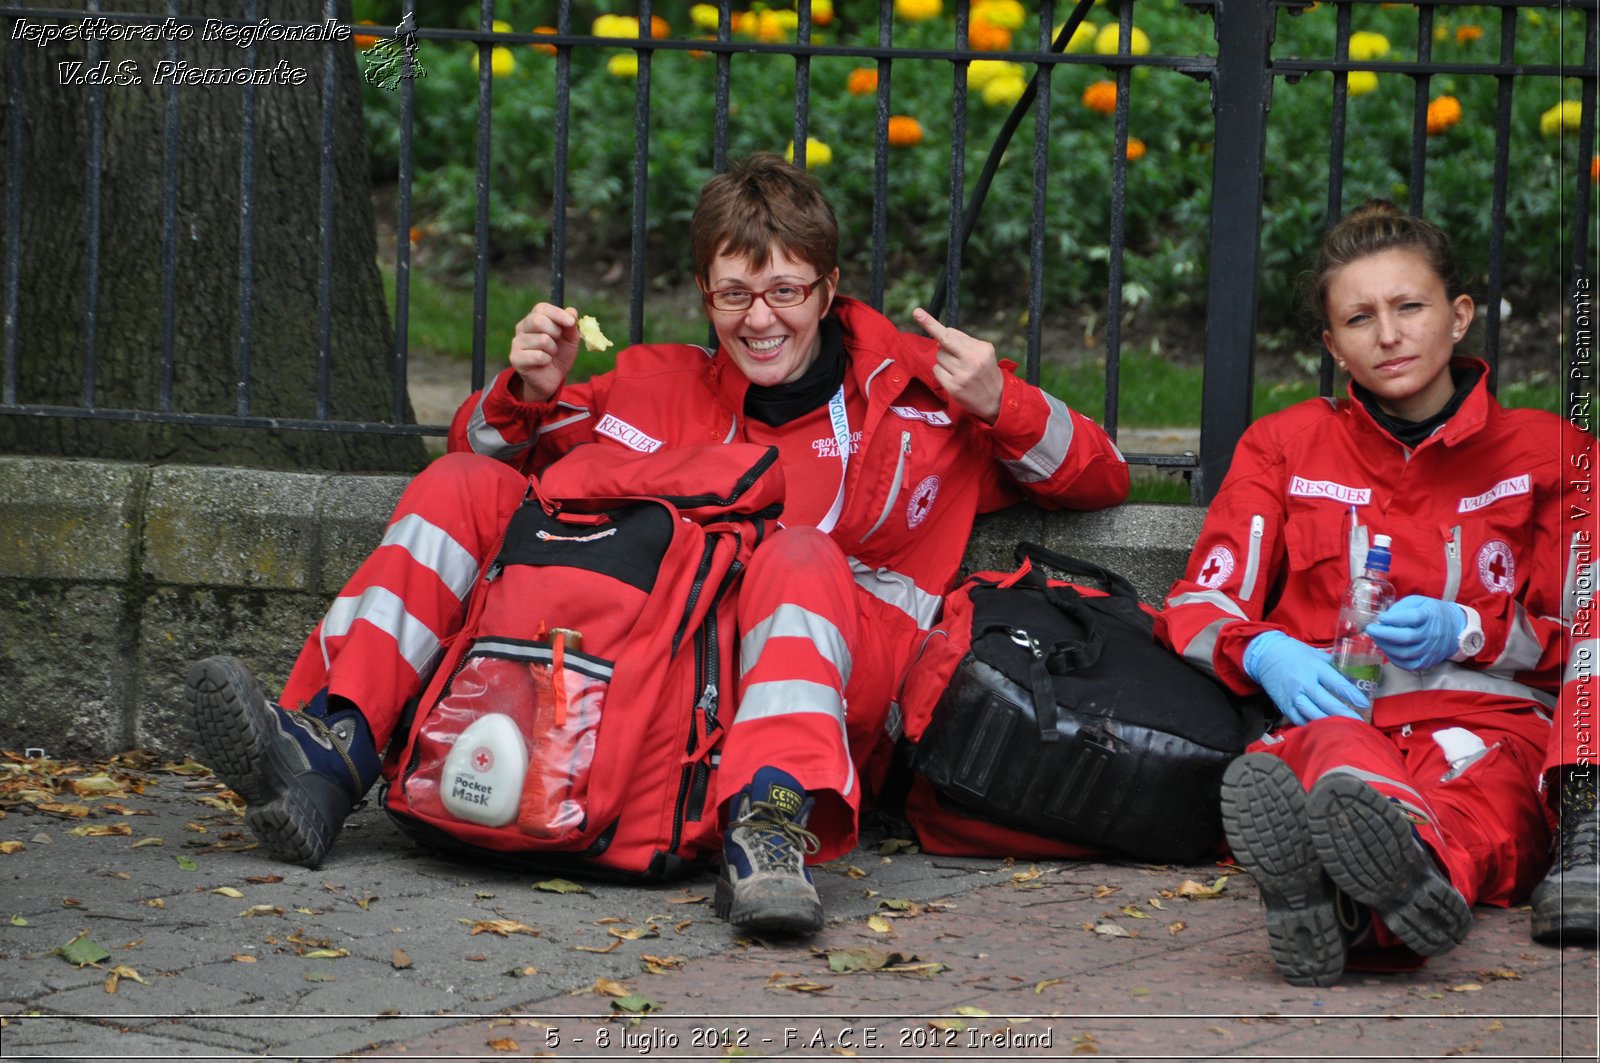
382, 635
1487, 827
819, 661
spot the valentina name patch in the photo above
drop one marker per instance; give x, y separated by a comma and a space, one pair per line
1516, 485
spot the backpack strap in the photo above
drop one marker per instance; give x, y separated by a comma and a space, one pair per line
1115, 583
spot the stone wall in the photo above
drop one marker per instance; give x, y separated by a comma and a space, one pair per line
114, 577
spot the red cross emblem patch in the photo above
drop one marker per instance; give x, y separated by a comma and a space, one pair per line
1497, 567
1216, 568
482, 759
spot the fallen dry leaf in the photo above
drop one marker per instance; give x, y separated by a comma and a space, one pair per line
1040, 987
56, 808
90, 785
608, 987
1499, 974
327, 954
1112, 930
263, 880
229, 891
635, 933
700, 898
7, 848
1176, 927
399, 960
614, 946
881, 925
142, 842
1133, 911
661, 964
948, 1025
1200, 891
1466, 987
1105, 891
504, 1044
243, 957
261, 909
500, 927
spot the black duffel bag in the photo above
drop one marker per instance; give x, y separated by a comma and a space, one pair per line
1062, 716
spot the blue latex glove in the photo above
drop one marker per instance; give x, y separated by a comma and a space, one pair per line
1301, 681
1418, 632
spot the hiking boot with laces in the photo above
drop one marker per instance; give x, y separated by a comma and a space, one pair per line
764, 883
1564, 903
1264, 815
300, 773
1368, 848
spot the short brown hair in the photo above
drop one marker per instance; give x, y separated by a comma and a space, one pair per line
760, 203
1378, 225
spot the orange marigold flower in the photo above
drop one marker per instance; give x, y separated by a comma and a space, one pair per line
659, 27
821, 12
1594, 170
547, 49
985, 36
1443, 112
1136, 149
365, 40
863, 81
746, 22
1468, 33
904, 131
1101, 97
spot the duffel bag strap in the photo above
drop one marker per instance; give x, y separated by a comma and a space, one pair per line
1114, 582
1061, 657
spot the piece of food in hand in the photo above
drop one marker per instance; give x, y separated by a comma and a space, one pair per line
589, 332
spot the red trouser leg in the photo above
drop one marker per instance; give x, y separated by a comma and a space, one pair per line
1486, 827
382, 636
819, 662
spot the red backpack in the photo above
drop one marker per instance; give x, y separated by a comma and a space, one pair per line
573, 723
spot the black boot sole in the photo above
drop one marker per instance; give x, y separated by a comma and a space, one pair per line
797, 912
1264, 815
242, 742
1365, 842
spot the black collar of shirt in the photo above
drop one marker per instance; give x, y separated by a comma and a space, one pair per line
782, 403
1411, 433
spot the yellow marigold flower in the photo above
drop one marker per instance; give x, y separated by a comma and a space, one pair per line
863, 81
704, 15
904, 131
501, 61
1469, 33
1443, 112
746, 22
986, 36
918, 10
1564, 117
1366, 44
625, 65
628, 26
1107, 40
1101, 97
547, 49
1082, 37
817, 153
821, 12
1008, 13
1361, 82
770, 28
1004, 91
982, 71
1136, 149
501, 25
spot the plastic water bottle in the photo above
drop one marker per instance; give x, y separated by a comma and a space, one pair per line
1355, 655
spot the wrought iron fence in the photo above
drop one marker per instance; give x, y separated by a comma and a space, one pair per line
1242, 75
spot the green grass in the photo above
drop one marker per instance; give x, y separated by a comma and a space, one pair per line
1155, 391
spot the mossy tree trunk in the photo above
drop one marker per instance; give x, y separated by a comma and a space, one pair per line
60, 319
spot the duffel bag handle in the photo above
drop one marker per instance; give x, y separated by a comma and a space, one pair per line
1061, 657
1115, 583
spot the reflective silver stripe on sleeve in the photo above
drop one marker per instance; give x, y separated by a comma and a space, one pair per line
1522, 649
1451, 676
1212, 598
1578, 590
433, 548
1045, 456
1202, 649
1581, 665
578, 413
384, 610
487, 440
899, 591
792, 621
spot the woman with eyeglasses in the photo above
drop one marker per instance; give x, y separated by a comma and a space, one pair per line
890, 444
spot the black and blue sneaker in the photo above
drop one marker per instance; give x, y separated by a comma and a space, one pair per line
300, 773
764, 883
1370, 850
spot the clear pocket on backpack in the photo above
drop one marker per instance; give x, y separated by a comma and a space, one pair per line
511, 743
